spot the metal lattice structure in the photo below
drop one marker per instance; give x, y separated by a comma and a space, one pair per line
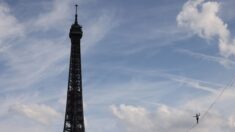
74, 117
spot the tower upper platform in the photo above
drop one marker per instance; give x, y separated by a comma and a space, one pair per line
76, 29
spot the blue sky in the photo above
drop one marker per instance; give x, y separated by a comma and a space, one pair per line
147, 65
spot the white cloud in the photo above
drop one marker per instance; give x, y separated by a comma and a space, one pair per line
232, 121
137, 117
29, 61
9, 25
196, 84
97, 31
16, 127
56, 17
37, 112
24, 56
202, 18
168, 119
193, 83
221, 60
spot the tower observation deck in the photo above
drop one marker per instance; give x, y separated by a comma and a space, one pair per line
74, 117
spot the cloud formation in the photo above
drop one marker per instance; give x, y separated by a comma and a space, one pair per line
201, 17
37, 112
168, 119
9, 25
226, 62
56, 17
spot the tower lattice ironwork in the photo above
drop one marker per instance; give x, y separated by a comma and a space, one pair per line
74, 117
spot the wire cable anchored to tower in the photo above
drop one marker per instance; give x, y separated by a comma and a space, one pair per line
229, 85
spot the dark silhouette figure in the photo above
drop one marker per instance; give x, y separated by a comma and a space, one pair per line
197, 117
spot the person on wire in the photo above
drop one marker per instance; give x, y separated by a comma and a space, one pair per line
197, 117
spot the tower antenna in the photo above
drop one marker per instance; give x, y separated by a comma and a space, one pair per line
76, 14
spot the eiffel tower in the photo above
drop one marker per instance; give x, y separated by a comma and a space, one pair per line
74, 117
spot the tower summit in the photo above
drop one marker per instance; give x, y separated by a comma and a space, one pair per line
74, 117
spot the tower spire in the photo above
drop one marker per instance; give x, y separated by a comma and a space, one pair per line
76, 15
